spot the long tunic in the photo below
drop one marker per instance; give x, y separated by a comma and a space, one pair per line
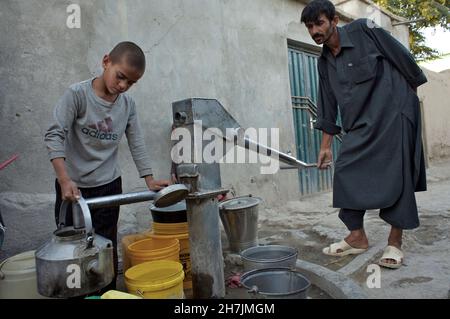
372, 81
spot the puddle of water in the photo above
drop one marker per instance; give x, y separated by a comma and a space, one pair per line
308, 243
314, 292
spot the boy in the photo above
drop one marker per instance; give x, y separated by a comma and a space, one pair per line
89, 122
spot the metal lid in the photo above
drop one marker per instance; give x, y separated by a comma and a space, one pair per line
178, 207
240, 203
170, 195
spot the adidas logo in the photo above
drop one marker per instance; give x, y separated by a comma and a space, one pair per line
98, 134
101, 130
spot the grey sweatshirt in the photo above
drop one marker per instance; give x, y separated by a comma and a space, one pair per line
86, 131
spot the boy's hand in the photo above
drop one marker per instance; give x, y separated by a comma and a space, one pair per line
156, 185
174, 179
69, 190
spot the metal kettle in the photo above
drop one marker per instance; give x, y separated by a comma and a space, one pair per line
75, 261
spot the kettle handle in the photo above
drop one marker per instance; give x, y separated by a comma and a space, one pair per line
62, 214
86, 213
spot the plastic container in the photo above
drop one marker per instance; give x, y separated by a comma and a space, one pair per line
18, 277
115, 294
184, 256
170, 228
127, 241
162, 279
150, 249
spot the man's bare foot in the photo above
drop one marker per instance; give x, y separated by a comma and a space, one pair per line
356, 239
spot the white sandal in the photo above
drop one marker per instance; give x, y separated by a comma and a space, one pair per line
392, 252
345, 248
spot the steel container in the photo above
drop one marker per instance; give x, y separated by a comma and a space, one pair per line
270, 256
240, 220
276, 283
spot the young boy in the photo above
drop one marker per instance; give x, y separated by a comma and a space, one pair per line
89, 121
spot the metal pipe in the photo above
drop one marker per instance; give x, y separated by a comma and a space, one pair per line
205, 248
120, 199
285, 158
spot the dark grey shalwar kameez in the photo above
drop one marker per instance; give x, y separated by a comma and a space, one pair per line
380, 164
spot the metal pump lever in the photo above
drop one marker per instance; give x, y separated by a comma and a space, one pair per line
283, 157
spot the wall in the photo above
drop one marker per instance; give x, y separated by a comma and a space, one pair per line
435, 95
366, 9
234, 51
231, 50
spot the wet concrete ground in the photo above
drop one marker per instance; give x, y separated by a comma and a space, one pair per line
308, 224
312, 224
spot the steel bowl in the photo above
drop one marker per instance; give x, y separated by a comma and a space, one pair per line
270, 256
276, 283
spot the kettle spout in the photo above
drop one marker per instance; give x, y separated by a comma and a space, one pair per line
102, 265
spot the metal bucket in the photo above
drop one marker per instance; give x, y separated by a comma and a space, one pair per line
240, 220
270, 256
278, 283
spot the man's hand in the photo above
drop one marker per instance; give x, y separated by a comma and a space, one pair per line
69, 190
325, 158
156, 185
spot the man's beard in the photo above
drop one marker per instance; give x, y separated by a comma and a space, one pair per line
324, 37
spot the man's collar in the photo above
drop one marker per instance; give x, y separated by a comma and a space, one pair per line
344, 42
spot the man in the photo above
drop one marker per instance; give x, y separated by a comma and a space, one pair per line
373, 79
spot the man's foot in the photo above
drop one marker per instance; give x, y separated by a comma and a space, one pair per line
357, 239
394, 240
355, 243
392, 258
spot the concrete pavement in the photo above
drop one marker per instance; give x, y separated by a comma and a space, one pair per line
309, 224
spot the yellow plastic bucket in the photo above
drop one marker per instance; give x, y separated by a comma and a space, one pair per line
184, 256
160, 279
149, 249
170, 228
127, 241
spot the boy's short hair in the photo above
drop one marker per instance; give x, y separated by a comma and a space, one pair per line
315, 8
133, 54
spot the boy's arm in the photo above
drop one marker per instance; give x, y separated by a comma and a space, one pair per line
69, 190
139, 152
156, 185
64, 114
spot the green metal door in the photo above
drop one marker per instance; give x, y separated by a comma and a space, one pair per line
304, 80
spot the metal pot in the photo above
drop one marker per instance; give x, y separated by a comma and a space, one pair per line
75, 261
270, 256
277, 283
240, 220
